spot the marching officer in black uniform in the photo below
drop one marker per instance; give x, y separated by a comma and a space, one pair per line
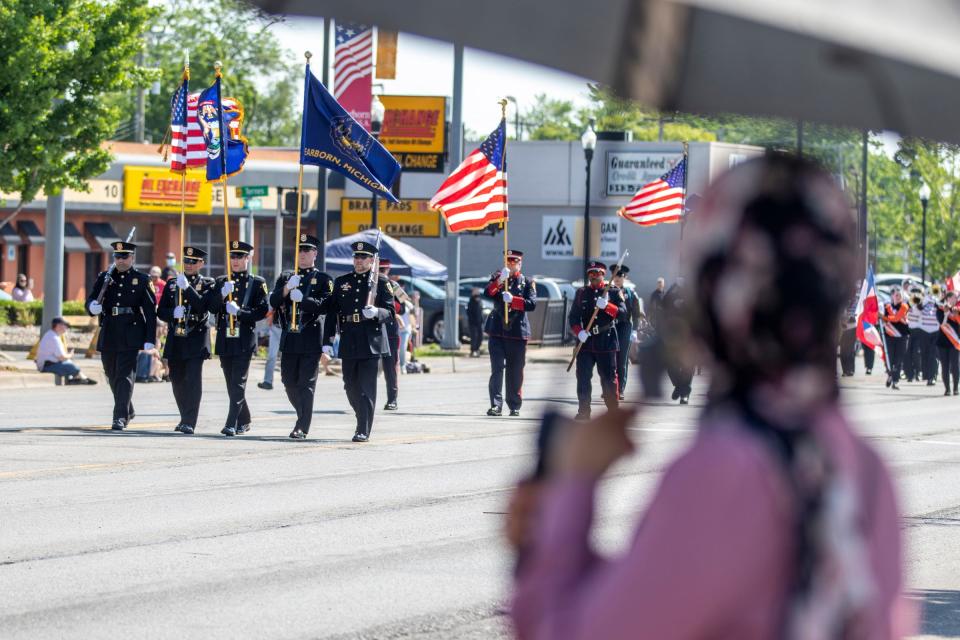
627, 325
299, 300
183, 307
599, 342
238, 304
391, 361
363, 333
125, 301
507, 343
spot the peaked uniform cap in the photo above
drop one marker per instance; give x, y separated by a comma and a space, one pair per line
123, 247
239, 246
307, 240
194, 252
596, 265
363, 248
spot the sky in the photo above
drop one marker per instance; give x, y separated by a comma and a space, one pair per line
425, 67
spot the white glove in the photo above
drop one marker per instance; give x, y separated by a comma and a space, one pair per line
369, 312
583, 335
633, 336
96, 308
182, 281
327, 349
294, 281
227, 288
179, 311
602, 302
232, 308
507, 297
147, 346
296, 295
504, 274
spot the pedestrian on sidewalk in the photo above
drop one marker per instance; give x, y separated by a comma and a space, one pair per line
778, 520
475, 322
54, 357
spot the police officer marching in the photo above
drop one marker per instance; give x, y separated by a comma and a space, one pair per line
300, 299
507, 343
236, 332
598, 343
125, 301
391, 361
183, 307
361, 322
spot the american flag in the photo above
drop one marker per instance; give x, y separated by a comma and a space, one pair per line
659, 201
475, 194
187, 146
353, 56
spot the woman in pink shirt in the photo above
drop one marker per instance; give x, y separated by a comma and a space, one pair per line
777, 521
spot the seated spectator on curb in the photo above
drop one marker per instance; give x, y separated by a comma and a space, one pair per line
53, 356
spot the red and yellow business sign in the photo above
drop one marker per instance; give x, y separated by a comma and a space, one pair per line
414, 131
158, 189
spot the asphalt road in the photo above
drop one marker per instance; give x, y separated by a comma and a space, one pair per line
152, 534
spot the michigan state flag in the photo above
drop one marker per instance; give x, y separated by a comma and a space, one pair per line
329, 137
226, 147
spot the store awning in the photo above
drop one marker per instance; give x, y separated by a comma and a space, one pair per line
30, 230
73, 240
103, 234
9, 235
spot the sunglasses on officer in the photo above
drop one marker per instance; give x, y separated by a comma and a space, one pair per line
192, 260
238, 255
122, 255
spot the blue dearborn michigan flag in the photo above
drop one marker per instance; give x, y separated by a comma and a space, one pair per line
219, 128
329, 137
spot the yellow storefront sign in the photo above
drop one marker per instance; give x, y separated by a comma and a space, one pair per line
408, 218
158, 189
413, 131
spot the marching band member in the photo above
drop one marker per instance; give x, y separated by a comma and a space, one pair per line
948, 342
895, 327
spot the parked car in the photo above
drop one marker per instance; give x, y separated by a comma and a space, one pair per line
432, 298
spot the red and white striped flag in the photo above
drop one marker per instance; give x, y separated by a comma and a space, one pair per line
187, 147
353, 70
659, 201
475, 194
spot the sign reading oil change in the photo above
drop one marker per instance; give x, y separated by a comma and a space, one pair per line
413, 131
159, 189
407, 218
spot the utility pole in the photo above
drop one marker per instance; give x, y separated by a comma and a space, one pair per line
451, 307
322, 171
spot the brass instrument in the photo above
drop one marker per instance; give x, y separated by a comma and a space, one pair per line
936, 290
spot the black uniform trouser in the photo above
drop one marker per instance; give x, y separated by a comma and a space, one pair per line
918, 346
930, 355
895, 350
651, 368
868, 357
949, 364
391, 368
848, 343
121, 370
907, 360
506, 357
624, 329
360, 383
186, 378
476, 337
606, 364
298, 372
235, 369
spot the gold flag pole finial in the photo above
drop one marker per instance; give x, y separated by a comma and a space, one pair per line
218, 67
307, 55
503, 107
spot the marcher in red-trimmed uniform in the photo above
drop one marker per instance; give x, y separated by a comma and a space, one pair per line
600, 342
507, 344
897, 332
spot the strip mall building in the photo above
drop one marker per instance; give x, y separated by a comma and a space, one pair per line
547, 190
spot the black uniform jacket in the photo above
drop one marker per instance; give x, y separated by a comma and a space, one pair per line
316, 287
129, 317
250, 293
603, 334
524, 300
359, 337
196, 344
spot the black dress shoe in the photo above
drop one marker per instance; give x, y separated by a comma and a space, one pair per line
869, 371
930, 383
186, 429
676, 393
265, 385
118, 425
228, 431
684, 399
243, 428
947, 392
179, 427
582, 415
889, 381
390, 406
133, 414
514, 412
495, 411
895, 386
360, 437
621, 398
955, 392
296, 434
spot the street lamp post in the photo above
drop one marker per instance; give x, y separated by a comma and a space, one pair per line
924, 199
377, 111
589, 142
516, 117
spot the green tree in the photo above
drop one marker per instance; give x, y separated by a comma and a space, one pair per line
257, 70
62, 57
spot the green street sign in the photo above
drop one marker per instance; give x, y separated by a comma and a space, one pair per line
252, 204
257, 191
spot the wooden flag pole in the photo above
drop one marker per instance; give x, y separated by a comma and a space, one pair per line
296, 238
506, 221
181, 323
226, 210
683, 206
